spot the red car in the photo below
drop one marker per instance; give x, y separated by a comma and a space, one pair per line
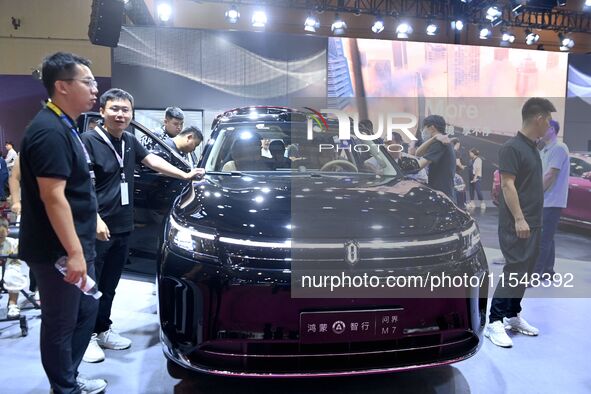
578, 209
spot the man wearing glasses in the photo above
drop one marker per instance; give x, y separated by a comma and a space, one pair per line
114, 154
59, 219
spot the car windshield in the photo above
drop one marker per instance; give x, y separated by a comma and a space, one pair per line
285, 148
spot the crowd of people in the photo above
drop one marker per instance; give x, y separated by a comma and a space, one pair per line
77, 202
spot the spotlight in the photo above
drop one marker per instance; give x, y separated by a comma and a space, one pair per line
493, 13
431, 29
566, 43
466, 1
311, 24
531, 37
164, 11
403, 30
338, 26
507, 38
485, 33
232, 15
561, 3
259, 19
458, 24
587, 3
378, 25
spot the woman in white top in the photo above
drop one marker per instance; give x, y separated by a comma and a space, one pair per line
476, 176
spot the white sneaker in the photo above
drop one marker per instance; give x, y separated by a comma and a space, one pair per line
495, 331
483, 206
519, 324
93, 353
112, 340
14, 312
91, 386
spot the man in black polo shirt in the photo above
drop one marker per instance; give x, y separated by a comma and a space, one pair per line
438, 154
186, 141
520, 220
59, 219
114, 154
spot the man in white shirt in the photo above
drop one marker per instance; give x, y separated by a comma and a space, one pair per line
555, 167
10, 155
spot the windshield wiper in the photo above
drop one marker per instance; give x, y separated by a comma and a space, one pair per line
231, 173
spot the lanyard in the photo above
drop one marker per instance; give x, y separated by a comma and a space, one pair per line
120, 159
66, 121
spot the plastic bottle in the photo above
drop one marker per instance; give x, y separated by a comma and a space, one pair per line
90, 288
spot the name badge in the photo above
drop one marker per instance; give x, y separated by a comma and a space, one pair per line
124, 193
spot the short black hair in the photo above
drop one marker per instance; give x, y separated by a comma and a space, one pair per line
475, 152
8, 143
555, 125
115, 94
397, 138
536, 106
60, 66
436, 121
174, 113
192, 130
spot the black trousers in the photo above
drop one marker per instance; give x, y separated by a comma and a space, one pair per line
520, 258
67, 320
111, 256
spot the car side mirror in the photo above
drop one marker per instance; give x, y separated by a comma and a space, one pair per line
409, 165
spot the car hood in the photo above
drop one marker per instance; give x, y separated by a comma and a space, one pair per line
313, 207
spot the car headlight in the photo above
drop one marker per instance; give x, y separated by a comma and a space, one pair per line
471, 239
191, 239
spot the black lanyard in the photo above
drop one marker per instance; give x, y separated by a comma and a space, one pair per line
66, 121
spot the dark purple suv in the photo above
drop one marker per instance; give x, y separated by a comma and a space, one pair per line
236, 245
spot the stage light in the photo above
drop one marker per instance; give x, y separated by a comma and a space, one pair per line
232, 15
431, 29
485, 33
493, 13
561, 3
311, 24
507, 38
566, 43
403, 30
587, 3
531, 37
378, 25
338, 26
164, 11
458, 25
259, 19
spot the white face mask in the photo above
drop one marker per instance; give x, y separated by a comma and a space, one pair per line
425, 134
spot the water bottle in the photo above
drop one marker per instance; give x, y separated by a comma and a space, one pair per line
90, 288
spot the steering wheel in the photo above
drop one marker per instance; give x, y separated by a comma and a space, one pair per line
339, 166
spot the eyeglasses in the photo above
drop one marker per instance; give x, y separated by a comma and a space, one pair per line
91, 83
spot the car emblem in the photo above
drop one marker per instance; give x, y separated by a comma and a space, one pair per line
352, 252
338, 327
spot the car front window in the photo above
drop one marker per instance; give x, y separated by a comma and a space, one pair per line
286, 149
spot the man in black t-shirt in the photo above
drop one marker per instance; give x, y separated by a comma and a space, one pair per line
520, 220
438, 154
185, 142
59, 219
114, 154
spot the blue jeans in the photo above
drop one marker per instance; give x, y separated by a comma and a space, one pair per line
545, 262
67, 320
475, 187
